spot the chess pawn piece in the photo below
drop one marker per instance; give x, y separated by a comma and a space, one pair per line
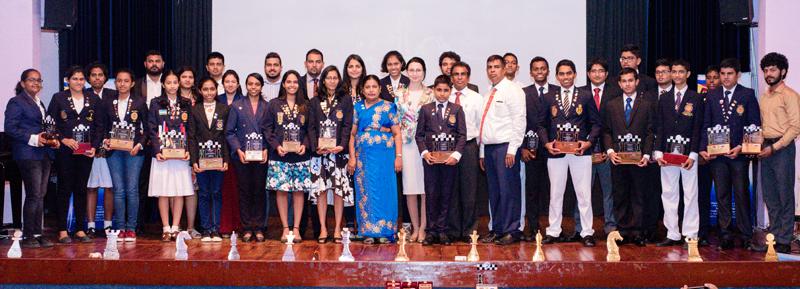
473, 251
401, 244
771, 256
15, 251
181, 250
538, 256
611, 246
694, 252
111, 252
233, 254
346, 255
288, 255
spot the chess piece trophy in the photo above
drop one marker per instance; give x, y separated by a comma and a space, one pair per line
401, 244
611, 246
288, 255
81, 135
473, 251
253, 151
719, 140
173, 143
567, 138
181, 250
15, 251
676, 155
538, 255
327, 135
210, 156
346, 255
121, 136
694, 252
752, 140
291, 138
630, 151
771, 255
233, 254
111, 252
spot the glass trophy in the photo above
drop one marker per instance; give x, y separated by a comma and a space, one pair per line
676, 154
291, 138
50, 132
629, 151
327, 134
443, 146
532, 141
210, 156
719, 140
567, 138
122, 134
752, 140
254, 146
81, 135
173, 143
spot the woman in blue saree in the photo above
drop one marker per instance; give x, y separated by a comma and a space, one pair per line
375, 157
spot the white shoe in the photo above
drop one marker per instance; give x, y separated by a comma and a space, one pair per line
195, 234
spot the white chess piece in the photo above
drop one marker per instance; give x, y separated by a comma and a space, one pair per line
346, 255
111, 252
288, 255
233, 254
15, 251
181, 250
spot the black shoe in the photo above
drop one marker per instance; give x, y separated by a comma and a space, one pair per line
466, 239
508, 239
549, 239
65, 240
783, 248
703, 242
752, 246
44, 242
444, 239
669, 243
529, 238
574, 238
725, 244
91, 232
588, 241
639, 242
491, 237
30, 243
429, 240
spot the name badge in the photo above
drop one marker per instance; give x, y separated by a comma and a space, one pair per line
162, 112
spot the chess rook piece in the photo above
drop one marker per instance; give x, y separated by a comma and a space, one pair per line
538, 255
473, 252
346, 255
771, 255
611, 246
233, 254
694, 252
15, 251
401, 244
111, 252
181, 250
288, 255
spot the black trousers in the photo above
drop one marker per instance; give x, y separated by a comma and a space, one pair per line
439, 181
653, 208
704, 198
73, 175
148, 207
463, 213
537, 191
35, 175
252, 179
630, 184
731, 179
11, 174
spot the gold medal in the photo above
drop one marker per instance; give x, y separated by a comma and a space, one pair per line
302, 119
339, 114
64, 114
219, 124
134, 115
184, 116
452, 119
740, 109
687, 110
280, 118
554, 110
90, 117
579, 109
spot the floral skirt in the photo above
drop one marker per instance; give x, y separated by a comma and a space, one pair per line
289, 177
329, 174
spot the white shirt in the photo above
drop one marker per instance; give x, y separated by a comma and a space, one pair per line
456, 155
99, 93
209, 109
731, 90
220, 88
270, 90
122, 107
545, 86
79, 103
34, 139
395, 83
633, 103
505, 118
663, 90
472, 104
566, 96
153, 88
310, 85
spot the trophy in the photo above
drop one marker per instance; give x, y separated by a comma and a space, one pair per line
677, 150
15, 251
401, 244
752, 140
694, 252
392, 284
473, 251
253, 148
291, 138
233, 254
122, 134
532, 141
443, 146
173, 143
346, 255
425, 285
719, 140
327, 134
81, 135
567, 138
288, 255
538, 255
50, 132
210, 156
629, 149
772, 255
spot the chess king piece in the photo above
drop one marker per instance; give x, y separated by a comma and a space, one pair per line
771, 256
346, 255
288, 255
401, 244
233, 254
181, 250
538, 255
694, 252
111, 252
611, 246
473, 252
15, 251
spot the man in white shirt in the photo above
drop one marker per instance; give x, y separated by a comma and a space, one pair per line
215, 65
663, 76
500, 133
149, 86
511, 68
272, 81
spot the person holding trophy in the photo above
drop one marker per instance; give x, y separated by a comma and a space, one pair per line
170, 172
209, 158
122, 120
74, 111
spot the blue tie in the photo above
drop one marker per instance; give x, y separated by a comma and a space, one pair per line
628, 101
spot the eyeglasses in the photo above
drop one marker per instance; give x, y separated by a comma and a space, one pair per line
36, 80
629, 58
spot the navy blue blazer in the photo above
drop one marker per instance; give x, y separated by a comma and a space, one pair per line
386, 87
276, 118
242, 121
107, 92
533, 105
136, 115
23, 119
687, 121
429, 124
582, 113
67, 118
743, 112
161, 114
202, 132
341, 114
223, 98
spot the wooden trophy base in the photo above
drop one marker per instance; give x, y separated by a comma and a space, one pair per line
567, 147
630, 158
120, 145
82, 148
253, 156
326, 143
211, 163
675, 159
751, 148
597, 158
440, 157
291, 146
173, 154
719, 149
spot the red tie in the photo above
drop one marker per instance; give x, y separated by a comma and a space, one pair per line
316, 86
458, 97
597, 97
483, 118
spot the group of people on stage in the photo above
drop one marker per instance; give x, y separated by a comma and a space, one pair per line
360, 142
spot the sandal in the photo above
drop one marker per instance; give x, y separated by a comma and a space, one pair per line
166, 236
247, 236
337, 240
260, 236
283, 236
323, 240
369, 240
383, 241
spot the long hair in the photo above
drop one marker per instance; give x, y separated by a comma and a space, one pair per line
235, 75
299, 98
184, 103
19, 89
194, 88
346, 86
323, 90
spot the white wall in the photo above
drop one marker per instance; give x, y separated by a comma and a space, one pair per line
246, 30
20, 20
777, 26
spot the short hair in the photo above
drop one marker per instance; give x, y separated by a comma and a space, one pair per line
464, 65
394, 53
712, 68
153, 52
213, 55
124, 70
632, 48
663, 62
75, 69
204, 79
97, 64
315, 51
775, 59
273, 55
421, 62
732, 63
442, 79
628, 70
681, 62
495, 57
597, 61
566, 62
537, 59
449, 54
512, 55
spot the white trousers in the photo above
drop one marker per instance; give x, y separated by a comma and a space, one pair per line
580, 168
670, 196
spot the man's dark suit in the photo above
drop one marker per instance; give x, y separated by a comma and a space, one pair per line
537, 184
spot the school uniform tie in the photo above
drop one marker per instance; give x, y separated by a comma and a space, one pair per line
628, 108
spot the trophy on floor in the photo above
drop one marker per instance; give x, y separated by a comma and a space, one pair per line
694, 252
612, 247
538, 255
122, 134
211, 156
771, 255
254, 146
346, 255
719, 140
473, 251
752, 140
393, 284
233, 254
111, 252
401, 244
676, 154
81, 135
630, 151
181, 250
173, 143
15, 251
291, 138
327, 134
50, 132
532, 141
288, 255
443, 146
567, 138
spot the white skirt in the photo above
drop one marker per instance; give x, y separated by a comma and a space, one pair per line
100, 177
171, 178
413, 173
